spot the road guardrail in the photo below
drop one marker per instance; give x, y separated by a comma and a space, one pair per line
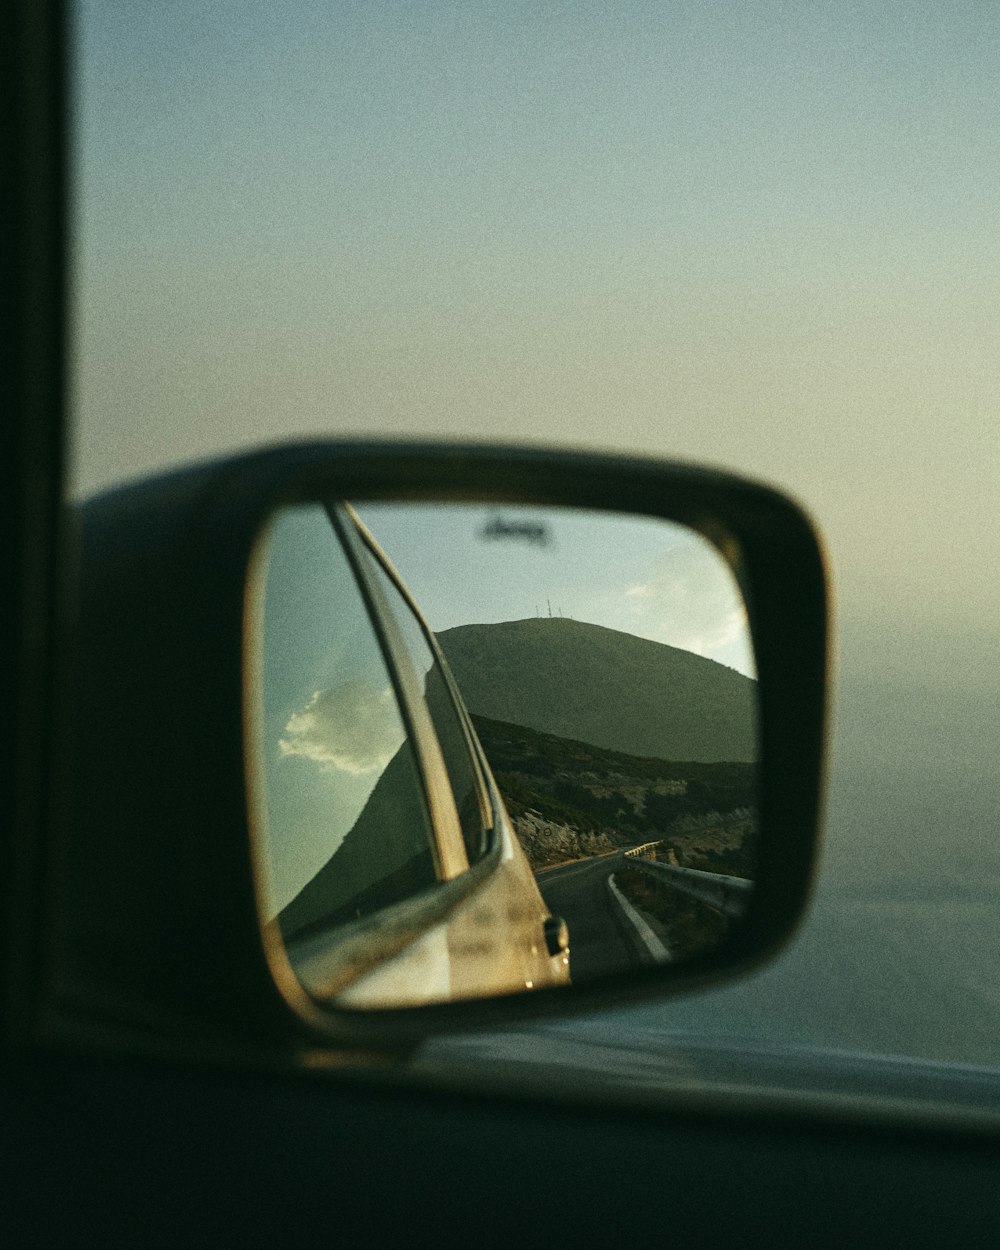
729, 894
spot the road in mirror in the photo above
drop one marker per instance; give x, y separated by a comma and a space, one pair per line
607, 821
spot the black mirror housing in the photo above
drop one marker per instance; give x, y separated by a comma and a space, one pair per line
154, 913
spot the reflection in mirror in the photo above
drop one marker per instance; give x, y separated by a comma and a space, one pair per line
609, 819
340, 774
607, 665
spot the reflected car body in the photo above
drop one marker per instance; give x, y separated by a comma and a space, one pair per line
482, 928
492, 941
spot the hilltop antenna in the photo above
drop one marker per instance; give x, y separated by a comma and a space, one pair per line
549, 602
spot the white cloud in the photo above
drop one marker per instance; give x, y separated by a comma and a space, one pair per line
353, 727
690, 600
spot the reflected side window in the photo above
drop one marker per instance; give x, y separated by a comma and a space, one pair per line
448, 725
348, 829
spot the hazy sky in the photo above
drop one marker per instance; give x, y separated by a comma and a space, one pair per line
761, 234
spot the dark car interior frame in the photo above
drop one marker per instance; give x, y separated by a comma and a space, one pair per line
137, 1150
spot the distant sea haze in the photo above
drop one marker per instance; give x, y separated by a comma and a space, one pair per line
899, 954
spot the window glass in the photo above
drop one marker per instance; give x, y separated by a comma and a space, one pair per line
444, 715
347, 823
758, 235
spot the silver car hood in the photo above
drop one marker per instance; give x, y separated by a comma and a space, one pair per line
611, 1061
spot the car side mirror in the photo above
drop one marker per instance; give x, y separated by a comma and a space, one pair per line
377, 740
580, 782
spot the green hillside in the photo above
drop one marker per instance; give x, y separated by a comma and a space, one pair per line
569, 799
384, 858
604, 687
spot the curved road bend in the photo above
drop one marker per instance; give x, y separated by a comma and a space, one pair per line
579, 893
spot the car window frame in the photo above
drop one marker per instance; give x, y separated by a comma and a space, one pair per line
352, 953
361, 545
36, 555
859, 1179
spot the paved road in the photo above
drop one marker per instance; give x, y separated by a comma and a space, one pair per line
579, 893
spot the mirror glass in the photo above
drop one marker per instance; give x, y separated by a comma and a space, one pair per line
497, 747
